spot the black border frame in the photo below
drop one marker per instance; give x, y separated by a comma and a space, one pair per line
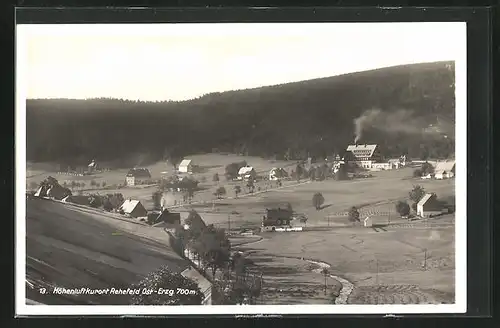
479, 90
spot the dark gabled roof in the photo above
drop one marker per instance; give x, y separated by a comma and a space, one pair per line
426, 198
139, 173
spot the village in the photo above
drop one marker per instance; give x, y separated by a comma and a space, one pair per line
222, 211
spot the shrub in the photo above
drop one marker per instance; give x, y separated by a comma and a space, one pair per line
318, 200
403, 208
353, 214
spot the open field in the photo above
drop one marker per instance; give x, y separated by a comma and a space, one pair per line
209, 163
376, 195
401, 263
72, 247
398, 265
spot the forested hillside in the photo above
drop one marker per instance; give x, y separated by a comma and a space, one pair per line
406, 109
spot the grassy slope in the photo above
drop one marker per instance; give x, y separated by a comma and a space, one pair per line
73, 248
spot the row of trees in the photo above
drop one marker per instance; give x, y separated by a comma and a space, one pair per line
426, 169
74, 184
210, 245
211, 248
186, 185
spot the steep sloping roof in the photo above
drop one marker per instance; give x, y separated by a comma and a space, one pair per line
362, 150
245, 170
425, 199
445, 166
112, 250
169, 217
185, 162
129, 205
195, 276
41, 192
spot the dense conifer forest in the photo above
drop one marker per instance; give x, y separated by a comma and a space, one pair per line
405, 109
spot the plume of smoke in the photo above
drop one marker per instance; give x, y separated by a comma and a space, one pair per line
400, 121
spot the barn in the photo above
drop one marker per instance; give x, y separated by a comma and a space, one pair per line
169, 218
429, 206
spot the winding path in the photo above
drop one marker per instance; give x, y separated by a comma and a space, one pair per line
347, 286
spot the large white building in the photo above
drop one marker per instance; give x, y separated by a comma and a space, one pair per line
364, 155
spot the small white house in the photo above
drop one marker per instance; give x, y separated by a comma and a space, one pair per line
277, 173
368, 222
186, 166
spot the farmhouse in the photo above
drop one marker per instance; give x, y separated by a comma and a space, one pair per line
137, 175
92, 166
363, 155
186, 166
444, 170
169, 218
246, 172
134, 208
42, 191
194, 222
204, 285
429, 206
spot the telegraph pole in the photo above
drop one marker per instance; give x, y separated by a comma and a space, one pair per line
425, 259
229, 224
377, 273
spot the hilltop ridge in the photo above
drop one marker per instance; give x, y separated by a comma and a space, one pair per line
406, 109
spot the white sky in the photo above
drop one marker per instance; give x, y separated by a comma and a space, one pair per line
183, 61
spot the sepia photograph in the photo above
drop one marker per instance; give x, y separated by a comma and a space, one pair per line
224, 168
